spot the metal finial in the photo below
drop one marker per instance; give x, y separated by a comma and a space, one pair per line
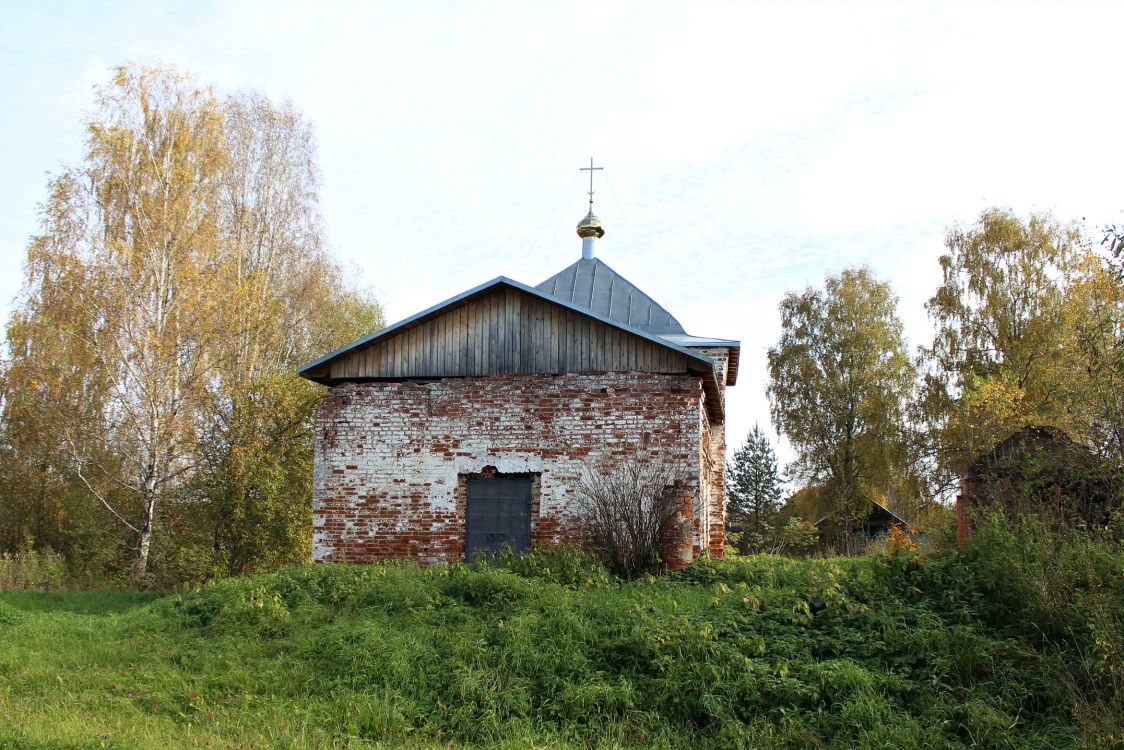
591, 169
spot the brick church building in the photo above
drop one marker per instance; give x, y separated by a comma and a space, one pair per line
466, 428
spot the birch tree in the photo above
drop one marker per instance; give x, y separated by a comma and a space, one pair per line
839, 379
997, 358
285, 304
136, 225
1093, 368
179, 279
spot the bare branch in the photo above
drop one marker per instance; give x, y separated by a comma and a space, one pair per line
95, 493
628, 510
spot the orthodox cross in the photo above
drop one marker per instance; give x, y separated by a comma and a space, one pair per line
591, 169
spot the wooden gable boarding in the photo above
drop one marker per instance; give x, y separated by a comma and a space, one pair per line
505, 328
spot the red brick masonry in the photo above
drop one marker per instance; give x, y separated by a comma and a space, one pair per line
391, 457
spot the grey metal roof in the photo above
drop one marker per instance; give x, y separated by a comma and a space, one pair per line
686, 339
592, 285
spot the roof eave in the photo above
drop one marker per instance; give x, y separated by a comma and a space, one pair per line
698, 342
305, 370
732, 365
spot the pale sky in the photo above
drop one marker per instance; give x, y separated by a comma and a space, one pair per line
749, 148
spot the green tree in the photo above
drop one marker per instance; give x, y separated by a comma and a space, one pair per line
999, 352
124, 271
251, 497
839, 379
179, 279
753, 490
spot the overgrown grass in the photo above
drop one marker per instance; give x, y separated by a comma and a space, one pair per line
546, 651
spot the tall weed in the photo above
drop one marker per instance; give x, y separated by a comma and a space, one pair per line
1062, 592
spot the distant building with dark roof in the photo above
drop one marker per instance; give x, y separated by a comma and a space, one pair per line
875, 524
1040, 470
466, 428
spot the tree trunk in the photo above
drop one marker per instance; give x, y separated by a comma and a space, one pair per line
144, 543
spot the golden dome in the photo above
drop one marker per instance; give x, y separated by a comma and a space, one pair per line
590, 226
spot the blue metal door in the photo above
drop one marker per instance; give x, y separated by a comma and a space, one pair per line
499, 516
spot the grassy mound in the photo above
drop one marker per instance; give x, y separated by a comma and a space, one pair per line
546, 651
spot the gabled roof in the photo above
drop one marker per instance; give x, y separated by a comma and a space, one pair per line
591, 285
879, 513
486, 286
699, 364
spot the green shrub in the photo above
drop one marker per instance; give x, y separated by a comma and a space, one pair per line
1062, 592
567, 566
483, 586
29, 567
